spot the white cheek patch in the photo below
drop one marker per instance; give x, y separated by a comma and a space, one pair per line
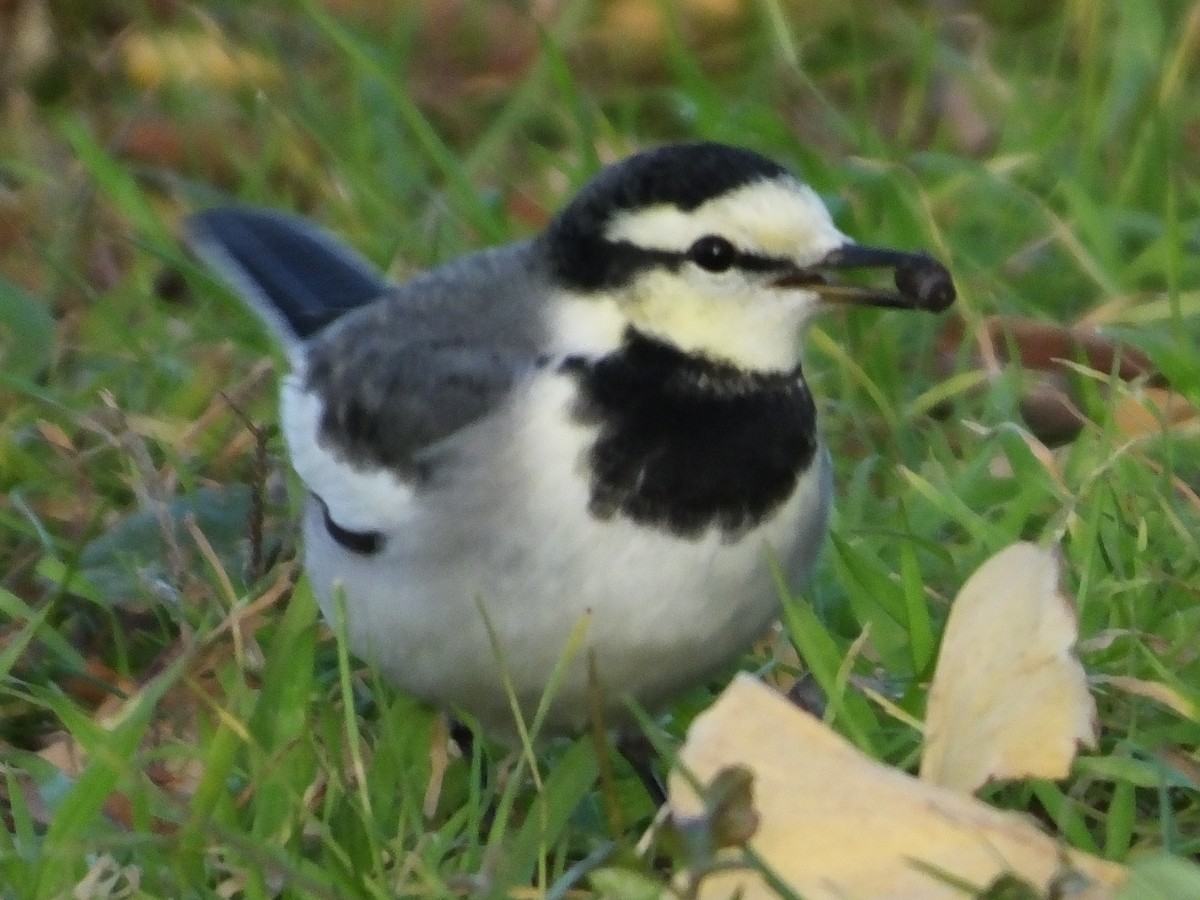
591, 325
777, 217
357, 499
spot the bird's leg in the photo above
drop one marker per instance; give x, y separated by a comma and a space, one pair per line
463, 737
639, 752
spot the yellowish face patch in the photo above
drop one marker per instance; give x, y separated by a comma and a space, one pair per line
751, 325
737, 315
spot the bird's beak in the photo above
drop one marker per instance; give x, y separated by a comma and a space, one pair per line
921, 281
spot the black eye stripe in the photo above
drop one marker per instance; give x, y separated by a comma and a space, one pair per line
718, 254
757, 262
646, 258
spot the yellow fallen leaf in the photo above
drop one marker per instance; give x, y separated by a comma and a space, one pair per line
834, 823
193, 57
631, 22
1009, 699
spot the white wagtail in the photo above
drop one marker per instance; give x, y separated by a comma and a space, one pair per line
605, 424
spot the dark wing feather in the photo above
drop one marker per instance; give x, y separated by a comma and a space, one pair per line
397, 367
293, 274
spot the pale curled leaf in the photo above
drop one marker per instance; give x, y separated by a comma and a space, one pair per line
834, 823
1009, 698
1156, 691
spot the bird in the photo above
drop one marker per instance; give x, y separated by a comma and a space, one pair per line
570, 466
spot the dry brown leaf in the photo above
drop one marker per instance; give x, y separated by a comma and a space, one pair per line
836, 824
1000, 465
1046, 346
56, 436
65, 753
204, 148
1051, 412
1048, 352
1153, 411
1009, 699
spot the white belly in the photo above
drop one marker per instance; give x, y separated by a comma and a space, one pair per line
509, 537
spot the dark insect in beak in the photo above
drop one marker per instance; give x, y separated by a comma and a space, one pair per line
921, 281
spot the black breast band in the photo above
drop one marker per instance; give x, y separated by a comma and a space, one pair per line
686, 442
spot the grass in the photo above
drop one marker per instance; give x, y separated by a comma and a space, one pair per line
232, 747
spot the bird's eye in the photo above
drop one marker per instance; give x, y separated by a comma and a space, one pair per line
713, 252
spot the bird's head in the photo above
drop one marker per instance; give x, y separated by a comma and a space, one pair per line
720, 251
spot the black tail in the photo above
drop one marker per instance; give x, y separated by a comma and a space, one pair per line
294, 275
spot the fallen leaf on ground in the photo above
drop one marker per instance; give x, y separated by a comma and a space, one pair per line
1048, 352
1009, 698
193, 57
1156, 691
834, 823
1153, 411
1047, 346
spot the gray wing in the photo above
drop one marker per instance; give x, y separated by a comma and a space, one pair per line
397, 368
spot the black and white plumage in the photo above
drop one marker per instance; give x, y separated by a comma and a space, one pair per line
606, 425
